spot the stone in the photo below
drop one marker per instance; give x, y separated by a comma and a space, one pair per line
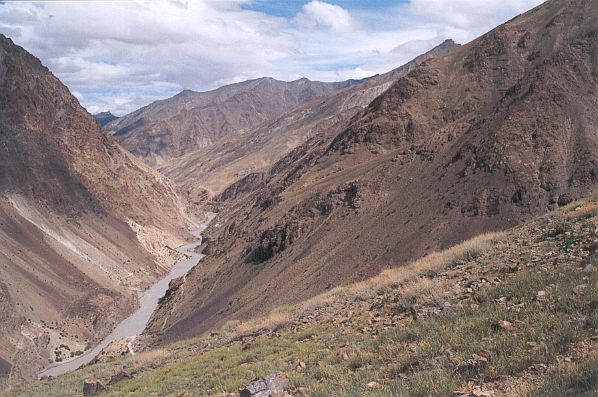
467, 365
269, 386
503, 324
93, 387
579, 290
117, 377
541, 296
564, 199
373, 385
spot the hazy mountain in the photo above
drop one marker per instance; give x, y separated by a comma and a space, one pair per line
480, 139
105, 118
84, 225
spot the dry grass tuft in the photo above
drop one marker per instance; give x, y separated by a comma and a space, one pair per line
582, 210
275, 320
429, 265
408, 278
150, 356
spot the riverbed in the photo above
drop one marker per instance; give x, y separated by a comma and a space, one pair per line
148, 302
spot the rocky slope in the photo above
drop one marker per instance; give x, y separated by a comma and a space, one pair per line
508, 314
225, 161
83, 224
191, 120
480, 139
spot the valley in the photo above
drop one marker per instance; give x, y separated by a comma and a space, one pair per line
131, 327
428, 231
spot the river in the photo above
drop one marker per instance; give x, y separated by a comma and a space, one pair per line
148, 302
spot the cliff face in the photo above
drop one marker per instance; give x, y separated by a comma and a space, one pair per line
480, 139
83, 224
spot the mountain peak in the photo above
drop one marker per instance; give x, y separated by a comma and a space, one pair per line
104, 118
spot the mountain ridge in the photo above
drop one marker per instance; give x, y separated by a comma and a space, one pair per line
231, 158
190, 120
104, 118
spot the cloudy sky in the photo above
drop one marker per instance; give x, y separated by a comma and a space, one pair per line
121, 55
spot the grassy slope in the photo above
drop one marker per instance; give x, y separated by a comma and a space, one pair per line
496, 313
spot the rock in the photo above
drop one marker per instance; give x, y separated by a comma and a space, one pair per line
269, 386
302, 391
541, 296
93, 387
373, 385
117, 377
478, 392
579, 290
588, 268
467, 366
506, 325
564, 199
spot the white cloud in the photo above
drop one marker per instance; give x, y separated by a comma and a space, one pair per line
469, 15
331, 16
122, 55
136, 44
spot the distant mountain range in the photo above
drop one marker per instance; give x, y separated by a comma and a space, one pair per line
191, 120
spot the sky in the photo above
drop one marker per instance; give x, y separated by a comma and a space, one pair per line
124, 54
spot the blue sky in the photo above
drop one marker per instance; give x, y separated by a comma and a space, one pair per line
290, 8
121, 55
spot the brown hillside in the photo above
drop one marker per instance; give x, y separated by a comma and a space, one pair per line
83, 224
487, 136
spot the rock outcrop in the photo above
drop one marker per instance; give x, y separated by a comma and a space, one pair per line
269, 386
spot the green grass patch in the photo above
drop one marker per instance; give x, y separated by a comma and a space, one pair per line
569, 381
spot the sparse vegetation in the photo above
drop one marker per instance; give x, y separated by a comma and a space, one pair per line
484, 312
570, 380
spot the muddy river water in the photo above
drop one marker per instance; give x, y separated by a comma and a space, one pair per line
148, 302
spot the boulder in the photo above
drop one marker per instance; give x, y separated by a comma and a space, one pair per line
269, 386
93, 387
564, 199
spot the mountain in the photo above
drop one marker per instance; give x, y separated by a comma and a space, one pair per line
191, 120
105, 118
84, 225
503, 315
234, 156
487, 136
